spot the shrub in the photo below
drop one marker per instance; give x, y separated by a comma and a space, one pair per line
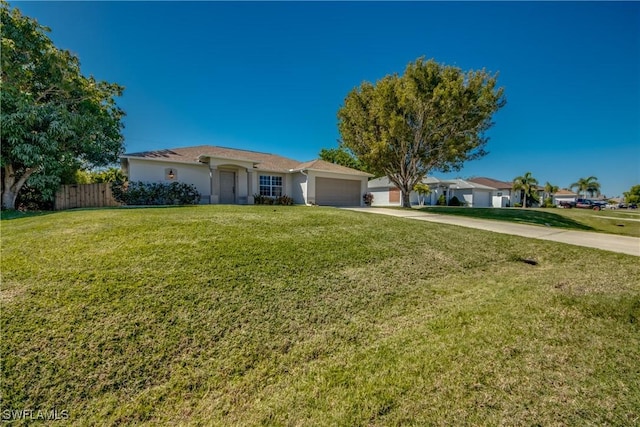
548, 203
454, 201
258, 199
283, 200
31, 198
442, 201
517, 205
154, 193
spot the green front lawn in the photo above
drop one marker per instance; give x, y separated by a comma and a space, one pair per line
311, 316
622, 222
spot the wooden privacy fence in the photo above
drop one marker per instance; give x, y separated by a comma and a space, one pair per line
84, 196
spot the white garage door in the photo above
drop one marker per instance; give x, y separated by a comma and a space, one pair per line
337, 192
481, 199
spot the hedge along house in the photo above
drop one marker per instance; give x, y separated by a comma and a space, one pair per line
231, 176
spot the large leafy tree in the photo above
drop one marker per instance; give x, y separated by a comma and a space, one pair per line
528, 185
432, 117
589, 185
633, 195
340, 156
54, 119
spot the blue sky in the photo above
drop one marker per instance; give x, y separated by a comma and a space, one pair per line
271, 76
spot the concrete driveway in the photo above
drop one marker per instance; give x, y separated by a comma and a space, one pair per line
608, 242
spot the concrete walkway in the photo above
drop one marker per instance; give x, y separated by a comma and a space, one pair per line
608, 242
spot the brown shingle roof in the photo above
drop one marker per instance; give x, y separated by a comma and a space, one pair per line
193, 154
322, 165
264, 161
563, 192
490, 182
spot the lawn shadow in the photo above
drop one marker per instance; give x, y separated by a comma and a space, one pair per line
9, 214
520, 216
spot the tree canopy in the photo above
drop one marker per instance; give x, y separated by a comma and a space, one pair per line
432, 117
53, 118
633, 195
340, 156
586, 186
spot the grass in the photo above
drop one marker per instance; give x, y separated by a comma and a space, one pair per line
621, 222
262, 315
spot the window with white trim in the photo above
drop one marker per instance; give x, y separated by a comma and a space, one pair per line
270, 186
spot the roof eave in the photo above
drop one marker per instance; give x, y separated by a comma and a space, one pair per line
355, 173
155, 159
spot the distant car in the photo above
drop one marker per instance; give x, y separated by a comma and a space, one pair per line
596, 205
567, 205
628, 206
611, 206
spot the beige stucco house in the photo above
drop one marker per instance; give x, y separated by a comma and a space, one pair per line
231, 176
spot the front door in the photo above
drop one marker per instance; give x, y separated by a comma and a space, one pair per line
227, 187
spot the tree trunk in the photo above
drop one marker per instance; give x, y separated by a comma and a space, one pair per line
8, 199
11, 187
406, 198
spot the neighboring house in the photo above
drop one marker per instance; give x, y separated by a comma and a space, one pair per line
230, 176
502, 194
385, 193
471, 193
564, 196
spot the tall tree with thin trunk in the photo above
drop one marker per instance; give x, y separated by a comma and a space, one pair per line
528, 185
53, 118
587, 185
550, 190
433, 117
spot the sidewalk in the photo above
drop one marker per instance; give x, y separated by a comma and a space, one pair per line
608, 242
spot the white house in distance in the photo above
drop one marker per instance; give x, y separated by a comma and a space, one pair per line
474, 192
502, 194
564, 196
231, 176
385, 193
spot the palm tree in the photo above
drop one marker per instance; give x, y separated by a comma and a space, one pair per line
527, 184
549, 190
423, 190
586, 185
